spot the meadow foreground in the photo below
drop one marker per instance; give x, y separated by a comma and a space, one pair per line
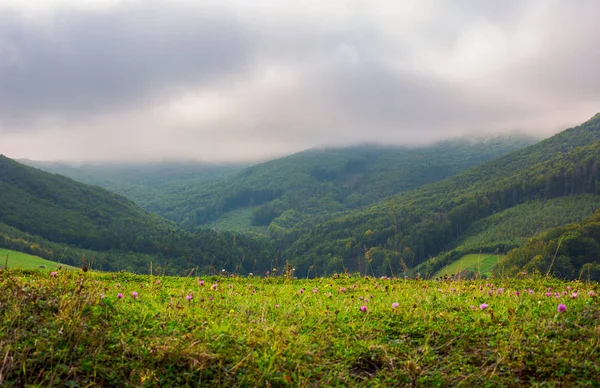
70, 328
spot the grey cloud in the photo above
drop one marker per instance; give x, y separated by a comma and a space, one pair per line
352, 81
95, 61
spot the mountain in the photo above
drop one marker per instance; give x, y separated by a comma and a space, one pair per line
313, 183
141, 182
36, 206
412, 227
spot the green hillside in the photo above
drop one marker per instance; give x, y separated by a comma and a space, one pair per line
143, 183
571, 251
480, 263
420, 224
318, 182
14, 259
40, 213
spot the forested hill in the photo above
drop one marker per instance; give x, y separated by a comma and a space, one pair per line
420, 224
571, 251
323, 181
141, 182
57, 209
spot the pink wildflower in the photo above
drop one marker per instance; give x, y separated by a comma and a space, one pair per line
592, 294
548, 294
395, 305
483, 306
201, 283
561, 308
53, 274
363, 308
214, 287
134, 294
188, 297
573, 295
120, 296
276, 306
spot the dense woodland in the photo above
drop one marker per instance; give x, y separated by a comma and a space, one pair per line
46, 212
571, 251
370, 209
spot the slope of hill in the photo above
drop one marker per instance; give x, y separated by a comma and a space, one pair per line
322, 181
571, 251
143, 183
14, 259
39, 210
420, 224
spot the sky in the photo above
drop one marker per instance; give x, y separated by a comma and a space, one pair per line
240, 80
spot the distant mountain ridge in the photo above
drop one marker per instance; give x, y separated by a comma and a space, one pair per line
423, 223
308, 184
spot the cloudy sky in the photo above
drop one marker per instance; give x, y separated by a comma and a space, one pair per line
251, 79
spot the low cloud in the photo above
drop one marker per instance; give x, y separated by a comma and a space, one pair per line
133, 80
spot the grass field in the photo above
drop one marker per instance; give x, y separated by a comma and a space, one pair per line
102, 329
482, 263
23, 260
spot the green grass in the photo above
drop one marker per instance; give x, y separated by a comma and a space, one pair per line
482, 263
23, 260
73, 330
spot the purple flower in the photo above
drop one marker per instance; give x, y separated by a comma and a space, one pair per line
573, 295
395, 305
568, 288
316, 290
101, 296
214, 287
548, 294
301, 291
363, 308
561, 308
201, 283
53, 274
120, 296
188, 297
517, 293
158, 281
276, 306
592, 294
134, 294
483, 306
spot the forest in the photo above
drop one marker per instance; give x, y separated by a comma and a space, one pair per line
367, 209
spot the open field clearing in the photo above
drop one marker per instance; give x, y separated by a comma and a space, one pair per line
16, 259
104, 329
482, 263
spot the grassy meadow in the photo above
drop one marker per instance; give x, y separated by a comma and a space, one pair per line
482, 263
14, 259
74, 328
